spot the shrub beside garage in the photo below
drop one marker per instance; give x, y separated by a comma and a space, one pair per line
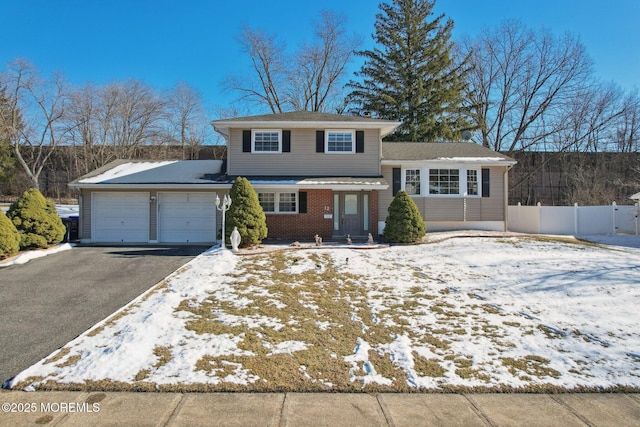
36, 220
9, 237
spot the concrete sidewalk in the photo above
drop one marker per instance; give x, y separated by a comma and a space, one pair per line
316, 409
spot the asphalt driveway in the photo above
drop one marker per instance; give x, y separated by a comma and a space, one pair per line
49, 301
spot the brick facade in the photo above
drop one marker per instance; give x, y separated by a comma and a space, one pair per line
304, 226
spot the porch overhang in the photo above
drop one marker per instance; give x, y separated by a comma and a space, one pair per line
322, 183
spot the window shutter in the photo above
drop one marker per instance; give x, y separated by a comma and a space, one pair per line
319, 141
246, 141
286, 141
302, 202
485, 182
359, 141
397, 181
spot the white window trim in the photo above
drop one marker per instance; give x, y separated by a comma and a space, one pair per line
276, 195
424, 180
326, 140
253, 141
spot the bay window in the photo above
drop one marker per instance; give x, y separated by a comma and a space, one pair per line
412, 181
472, 182
441, 181
444, 181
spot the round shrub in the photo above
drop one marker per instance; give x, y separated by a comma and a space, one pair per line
32, 214
404, 223
9, 237
246, 214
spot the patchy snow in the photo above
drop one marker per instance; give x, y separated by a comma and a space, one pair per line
482, 312
64, 211
25, 257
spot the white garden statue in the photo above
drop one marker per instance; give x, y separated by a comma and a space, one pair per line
235, 239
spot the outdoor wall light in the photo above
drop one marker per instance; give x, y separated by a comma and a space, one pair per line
152, 199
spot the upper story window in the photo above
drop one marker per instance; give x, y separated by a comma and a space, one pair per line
266, 141
412, 181
340, 141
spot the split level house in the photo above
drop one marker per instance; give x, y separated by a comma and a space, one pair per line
314, 173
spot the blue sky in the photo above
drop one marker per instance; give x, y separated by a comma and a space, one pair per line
195, 41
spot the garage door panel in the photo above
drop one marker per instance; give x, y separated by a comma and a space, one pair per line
121, 217
187, 217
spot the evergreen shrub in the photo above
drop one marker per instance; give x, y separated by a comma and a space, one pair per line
9, 237
36, 220
246, 214
404, 223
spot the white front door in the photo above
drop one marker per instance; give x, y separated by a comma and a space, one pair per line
186, 217
120, 218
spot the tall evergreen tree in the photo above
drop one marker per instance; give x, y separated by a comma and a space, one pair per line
410, 76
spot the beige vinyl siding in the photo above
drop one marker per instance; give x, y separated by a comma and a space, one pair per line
85, 215
303, 159
452, 208
493, 207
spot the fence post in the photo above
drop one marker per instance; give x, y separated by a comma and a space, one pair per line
539, 217
614, 209
576, 230
636, 217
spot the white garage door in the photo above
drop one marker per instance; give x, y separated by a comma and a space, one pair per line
120, 217
187, 217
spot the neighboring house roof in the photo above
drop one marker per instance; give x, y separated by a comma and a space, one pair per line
166, 174
304, 119
445, 152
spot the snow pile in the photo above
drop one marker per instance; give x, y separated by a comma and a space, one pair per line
25, 257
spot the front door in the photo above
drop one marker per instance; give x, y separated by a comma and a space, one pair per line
351, 213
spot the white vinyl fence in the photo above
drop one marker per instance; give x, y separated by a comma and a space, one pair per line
574, 220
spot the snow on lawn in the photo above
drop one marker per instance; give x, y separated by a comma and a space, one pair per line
463, 313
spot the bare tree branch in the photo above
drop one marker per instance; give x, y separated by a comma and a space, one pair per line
38, 110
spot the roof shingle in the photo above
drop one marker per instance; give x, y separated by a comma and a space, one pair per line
439, 151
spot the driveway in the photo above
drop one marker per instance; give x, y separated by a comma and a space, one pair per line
49, 301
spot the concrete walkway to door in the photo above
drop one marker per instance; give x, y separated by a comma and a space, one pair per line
49, 301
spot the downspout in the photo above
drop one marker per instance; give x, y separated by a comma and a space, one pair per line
506, 197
